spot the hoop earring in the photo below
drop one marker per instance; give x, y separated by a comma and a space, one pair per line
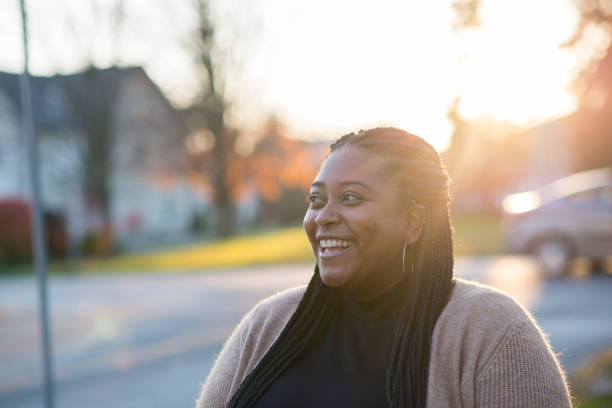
404, 260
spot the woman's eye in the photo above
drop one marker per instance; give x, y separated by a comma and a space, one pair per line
350, 197
314, 200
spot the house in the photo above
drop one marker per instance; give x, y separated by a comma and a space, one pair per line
151, 196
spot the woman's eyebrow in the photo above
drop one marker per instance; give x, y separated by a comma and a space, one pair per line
318, 184
360, 183
342, 183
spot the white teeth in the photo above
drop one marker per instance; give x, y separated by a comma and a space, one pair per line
334, 243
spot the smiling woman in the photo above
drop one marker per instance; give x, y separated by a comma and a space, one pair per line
354, 223
382, 321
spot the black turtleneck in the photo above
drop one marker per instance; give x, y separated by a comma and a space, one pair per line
347, 365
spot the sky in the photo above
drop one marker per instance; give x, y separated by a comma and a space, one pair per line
329, 67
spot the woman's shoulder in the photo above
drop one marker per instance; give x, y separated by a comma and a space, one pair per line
283, 299
487, 345
477, 323
478, 314
277, 308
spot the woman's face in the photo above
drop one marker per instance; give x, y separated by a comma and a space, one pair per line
355, 223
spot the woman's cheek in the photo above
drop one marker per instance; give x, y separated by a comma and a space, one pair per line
309, 225
308, 220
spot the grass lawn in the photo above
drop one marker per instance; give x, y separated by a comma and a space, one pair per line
473, 235
477, 235
596, 402
288, 245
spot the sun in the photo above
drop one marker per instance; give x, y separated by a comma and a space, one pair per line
514, 68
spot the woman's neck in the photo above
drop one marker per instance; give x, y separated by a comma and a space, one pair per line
370, 290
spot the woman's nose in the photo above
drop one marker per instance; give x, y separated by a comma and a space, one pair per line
326, 216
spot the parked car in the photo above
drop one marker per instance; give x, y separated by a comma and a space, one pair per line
567, 218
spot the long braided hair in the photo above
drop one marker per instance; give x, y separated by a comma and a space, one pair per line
422, 178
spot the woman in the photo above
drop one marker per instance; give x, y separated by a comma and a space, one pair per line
382, 321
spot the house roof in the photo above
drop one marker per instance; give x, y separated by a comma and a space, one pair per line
50, 95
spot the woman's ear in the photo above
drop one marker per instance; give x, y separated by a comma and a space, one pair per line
415, 220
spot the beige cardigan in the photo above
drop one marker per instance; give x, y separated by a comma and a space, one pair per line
487, 351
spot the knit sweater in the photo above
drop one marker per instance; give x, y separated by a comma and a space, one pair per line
486, 351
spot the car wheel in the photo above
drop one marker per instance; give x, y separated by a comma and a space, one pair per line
553, 256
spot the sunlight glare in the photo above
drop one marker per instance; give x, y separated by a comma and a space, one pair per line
514, 69
522, 202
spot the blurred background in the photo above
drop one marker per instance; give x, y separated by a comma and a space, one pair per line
177, 141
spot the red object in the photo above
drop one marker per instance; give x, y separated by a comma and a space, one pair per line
15, 242
15, 236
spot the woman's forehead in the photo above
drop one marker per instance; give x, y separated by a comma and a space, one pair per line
352, 163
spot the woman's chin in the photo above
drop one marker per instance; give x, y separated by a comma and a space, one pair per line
333, 277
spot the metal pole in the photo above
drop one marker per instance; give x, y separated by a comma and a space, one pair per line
37, 225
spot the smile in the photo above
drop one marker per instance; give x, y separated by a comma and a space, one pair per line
332, 247
334, 243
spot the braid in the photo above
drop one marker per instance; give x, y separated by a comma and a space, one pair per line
417, 168
311, 318
407, 373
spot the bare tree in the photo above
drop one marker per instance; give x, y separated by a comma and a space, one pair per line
209, 110
217, 65
597, 76
92, 96
466, 12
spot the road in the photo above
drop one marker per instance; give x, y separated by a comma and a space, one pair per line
148, 340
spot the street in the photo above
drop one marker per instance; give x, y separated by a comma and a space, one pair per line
149, 340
